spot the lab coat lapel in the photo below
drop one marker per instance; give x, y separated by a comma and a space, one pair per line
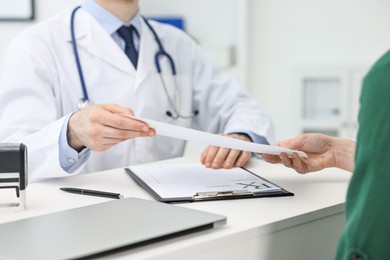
147, 51
92, 38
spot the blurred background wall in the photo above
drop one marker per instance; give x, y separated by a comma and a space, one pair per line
278, 50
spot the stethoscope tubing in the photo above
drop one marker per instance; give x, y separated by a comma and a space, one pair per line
161, 53
76, 54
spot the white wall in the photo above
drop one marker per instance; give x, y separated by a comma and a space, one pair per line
285, 35
198, 17
219, 26
44, 9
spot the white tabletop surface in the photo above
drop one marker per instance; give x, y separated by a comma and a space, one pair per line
317, 195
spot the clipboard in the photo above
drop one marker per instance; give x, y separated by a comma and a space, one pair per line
191, 182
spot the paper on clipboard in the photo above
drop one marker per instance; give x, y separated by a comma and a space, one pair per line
184, 180
188, 134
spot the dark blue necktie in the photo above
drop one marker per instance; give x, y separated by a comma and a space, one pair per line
127, 32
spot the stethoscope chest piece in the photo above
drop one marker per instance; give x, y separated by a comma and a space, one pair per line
83, 103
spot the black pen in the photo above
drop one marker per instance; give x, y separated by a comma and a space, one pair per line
93, 193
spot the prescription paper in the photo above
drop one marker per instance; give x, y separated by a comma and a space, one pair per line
184, 180
189, 134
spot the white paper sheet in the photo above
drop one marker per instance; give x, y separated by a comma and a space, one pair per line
186, 179
179, 132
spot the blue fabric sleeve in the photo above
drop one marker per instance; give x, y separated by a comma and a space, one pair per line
70, 159
254, 137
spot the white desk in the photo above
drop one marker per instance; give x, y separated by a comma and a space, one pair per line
305, 226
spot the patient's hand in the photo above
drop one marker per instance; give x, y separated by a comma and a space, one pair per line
323, 151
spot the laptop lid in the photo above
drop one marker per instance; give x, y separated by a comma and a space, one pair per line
100, 228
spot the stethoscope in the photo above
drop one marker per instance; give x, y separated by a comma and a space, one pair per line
85, 102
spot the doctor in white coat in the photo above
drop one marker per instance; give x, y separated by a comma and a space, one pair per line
40, 90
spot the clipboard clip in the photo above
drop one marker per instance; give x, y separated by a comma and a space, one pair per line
221, 194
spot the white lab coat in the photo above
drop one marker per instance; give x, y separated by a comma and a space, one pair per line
39, 85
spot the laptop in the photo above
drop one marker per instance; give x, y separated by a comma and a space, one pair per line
100, 229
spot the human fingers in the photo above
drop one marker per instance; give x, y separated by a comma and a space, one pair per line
291, 143
203, 156
217, 157
231, 159
110, 115
117, 109
286, 160
243, 159
102, 144
271, 158
124, 134
309, 143
220, 157
298, 165
88, 127
209, 155
113, 126
237, 158
121, 122
101, 139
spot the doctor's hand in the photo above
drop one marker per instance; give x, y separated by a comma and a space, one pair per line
99, 127
323, 152
219, 157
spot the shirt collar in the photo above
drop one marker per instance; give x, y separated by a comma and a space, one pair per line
107, 20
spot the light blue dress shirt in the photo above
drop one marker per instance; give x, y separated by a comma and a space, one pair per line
70, 159
111, 23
